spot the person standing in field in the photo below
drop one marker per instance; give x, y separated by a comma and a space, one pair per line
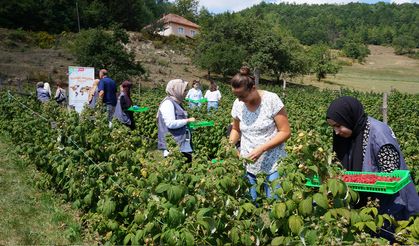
60, 94
194, 93
107, 91
124, 102
41, 92
172, 119
93, 94
261, 124
213, 96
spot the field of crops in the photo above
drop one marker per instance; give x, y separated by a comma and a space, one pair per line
130, 195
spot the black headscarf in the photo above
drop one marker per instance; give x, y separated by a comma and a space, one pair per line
349, 112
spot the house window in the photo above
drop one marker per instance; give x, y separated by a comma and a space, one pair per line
180, 30
193, 33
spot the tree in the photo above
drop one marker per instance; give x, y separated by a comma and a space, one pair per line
100, 49
187, 9
321, 62
355, 50
404, 45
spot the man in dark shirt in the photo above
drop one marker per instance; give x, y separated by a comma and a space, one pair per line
107, 91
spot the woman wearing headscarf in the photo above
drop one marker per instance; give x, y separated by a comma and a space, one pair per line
41, 92
93, 94
172, 119
123, 104
365, 144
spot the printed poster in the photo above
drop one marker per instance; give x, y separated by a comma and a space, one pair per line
80, 80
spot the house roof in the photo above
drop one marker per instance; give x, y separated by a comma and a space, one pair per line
172, 18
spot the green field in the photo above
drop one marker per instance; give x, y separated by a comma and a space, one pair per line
382, 71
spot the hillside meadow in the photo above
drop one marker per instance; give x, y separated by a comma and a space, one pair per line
382, 71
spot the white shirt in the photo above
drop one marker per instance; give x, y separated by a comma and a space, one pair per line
257, 128
213, 96
168, 113
194, 94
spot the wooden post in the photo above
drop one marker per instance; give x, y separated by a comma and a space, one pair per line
384, 109
257, 76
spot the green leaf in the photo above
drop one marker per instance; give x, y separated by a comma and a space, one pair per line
188, 237
291, 205
360, 225
279, 210
286, 186
175, 193
355, 218
295, 223
248, 207
380, 221
162, 188
234, 235
202, 212
306, 206
138, 236
128, 238
371, 225
321, 200
274, 228
332, 184
175, 217
278, 241
310, 237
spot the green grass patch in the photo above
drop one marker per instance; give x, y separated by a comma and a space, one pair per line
30, 215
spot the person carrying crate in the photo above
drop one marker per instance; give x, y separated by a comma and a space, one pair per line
365, 144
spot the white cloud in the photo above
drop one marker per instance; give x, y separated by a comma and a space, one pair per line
218, 6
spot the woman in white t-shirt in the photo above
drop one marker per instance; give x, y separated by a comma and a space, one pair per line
213, 96
261, 124
194, 93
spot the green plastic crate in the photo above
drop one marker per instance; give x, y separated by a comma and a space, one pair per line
138, 109
378, 187
195, 124
197, 101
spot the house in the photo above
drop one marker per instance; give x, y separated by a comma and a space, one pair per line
179, 26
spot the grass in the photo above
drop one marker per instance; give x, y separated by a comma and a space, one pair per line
30, 215
382, 71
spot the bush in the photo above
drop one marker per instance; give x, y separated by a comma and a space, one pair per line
355, 50
100, 49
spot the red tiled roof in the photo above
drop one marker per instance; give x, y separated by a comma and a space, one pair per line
172, 18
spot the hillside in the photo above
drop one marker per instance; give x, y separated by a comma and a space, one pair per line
20, 60
382, 71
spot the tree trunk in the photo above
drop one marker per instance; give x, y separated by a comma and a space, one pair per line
209, 75
256, 72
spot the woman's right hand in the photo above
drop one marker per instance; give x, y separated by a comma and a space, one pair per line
190, 119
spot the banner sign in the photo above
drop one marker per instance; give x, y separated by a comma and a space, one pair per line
80, 80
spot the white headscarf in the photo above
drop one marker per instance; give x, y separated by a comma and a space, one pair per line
176, 89
47, 87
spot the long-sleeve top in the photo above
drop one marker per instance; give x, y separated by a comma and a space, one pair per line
168, 113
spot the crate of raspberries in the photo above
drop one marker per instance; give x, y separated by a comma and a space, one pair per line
386, 183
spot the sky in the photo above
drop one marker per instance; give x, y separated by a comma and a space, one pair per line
219, 6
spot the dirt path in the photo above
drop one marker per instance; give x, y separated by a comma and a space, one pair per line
29, 215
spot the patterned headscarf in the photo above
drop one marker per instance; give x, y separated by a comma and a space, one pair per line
176, 89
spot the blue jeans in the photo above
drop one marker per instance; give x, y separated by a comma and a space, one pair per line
213, 105
110, 109
193, 105
252, 180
